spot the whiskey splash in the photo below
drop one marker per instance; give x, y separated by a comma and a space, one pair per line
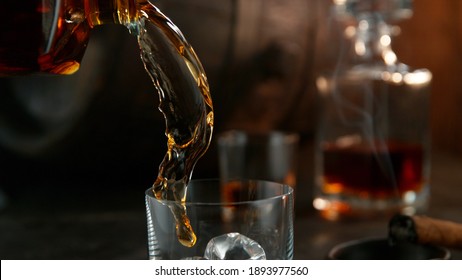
186, 104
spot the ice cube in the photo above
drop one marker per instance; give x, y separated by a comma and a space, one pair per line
233, 246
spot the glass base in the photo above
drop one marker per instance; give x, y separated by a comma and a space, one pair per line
338, 207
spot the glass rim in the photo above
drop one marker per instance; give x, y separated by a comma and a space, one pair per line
287, 192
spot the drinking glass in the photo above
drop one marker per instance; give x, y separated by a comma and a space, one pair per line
268, 156
240, 219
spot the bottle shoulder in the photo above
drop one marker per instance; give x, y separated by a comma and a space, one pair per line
396, 73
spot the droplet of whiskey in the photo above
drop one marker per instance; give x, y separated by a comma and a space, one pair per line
185, 233
184, 230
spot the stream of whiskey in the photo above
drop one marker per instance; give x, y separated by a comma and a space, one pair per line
186, 104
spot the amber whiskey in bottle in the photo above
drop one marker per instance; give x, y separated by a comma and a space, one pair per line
51, 35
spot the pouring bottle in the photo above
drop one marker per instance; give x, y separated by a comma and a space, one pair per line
51, 35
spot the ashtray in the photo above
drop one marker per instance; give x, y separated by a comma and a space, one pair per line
379, 248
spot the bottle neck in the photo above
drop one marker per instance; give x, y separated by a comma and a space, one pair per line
371, 39
99, 12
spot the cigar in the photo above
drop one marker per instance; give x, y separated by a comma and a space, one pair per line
425, 230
